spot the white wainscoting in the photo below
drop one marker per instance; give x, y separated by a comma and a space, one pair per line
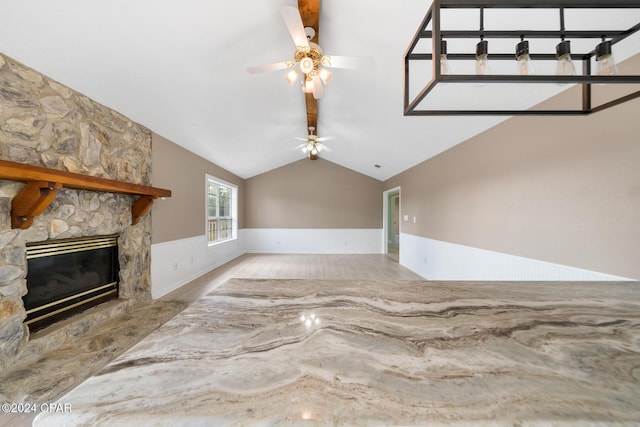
438, 260
313, 241
178, 262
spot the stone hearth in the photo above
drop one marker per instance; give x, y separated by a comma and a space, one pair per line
44, 123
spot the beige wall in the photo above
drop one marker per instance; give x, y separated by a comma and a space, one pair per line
313, 194
181, 171
558, 189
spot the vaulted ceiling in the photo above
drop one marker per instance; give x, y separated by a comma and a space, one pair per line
179, 68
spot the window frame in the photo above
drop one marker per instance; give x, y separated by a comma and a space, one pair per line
233, 209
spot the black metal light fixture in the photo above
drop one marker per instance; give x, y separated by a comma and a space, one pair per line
601, 50
604, 56
482, 58
444, 62
525, 65
565, 65
482, 50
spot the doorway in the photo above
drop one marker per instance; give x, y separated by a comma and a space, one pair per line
391, 227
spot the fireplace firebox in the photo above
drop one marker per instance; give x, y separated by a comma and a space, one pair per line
67, 276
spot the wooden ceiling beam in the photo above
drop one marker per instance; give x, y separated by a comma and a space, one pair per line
312, 110
310, 14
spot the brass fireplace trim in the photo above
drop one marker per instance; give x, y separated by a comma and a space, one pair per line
66, 246
69, 307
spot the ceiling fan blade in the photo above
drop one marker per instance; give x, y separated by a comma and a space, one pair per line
318, 90
324, 148
268, 67
325, 138
337, 61
292, 19
300, 139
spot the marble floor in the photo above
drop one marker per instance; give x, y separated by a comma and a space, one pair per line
367, 352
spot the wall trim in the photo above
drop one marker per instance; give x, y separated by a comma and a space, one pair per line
439, 260
444, 260
178, 262
313, 240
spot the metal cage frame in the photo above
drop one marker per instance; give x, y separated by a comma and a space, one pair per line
585, 79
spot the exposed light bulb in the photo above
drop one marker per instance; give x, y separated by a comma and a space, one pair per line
564, 65
607, 66
525, 66
482, 58
292, 76
444, 63
325, 75
604, 57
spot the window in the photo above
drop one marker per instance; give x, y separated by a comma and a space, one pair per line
221, 210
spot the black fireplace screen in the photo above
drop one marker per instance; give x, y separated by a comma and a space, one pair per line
67, 276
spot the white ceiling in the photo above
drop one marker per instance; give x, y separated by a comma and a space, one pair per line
179, 68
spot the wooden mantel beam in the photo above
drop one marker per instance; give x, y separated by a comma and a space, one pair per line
31, 201
42, 183
21, 172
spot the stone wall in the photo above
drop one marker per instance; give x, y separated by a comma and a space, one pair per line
46, 124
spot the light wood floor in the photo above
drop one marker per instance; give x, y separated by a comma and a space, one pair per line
260, 266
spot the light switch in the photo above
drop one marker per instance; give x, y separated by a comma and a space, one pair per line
406, 217
414, 219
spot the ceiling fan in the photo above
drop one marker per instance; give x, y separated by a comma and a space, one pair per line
312, 144
308, 58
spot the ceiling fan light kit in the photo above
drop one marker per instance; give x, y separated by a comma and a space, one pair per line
325, 75
292, 76
310, 64
308, 86
308, 58
429, 48
313, 144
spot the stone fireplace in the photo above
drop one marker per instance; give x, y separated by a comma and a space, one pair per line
46, 124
